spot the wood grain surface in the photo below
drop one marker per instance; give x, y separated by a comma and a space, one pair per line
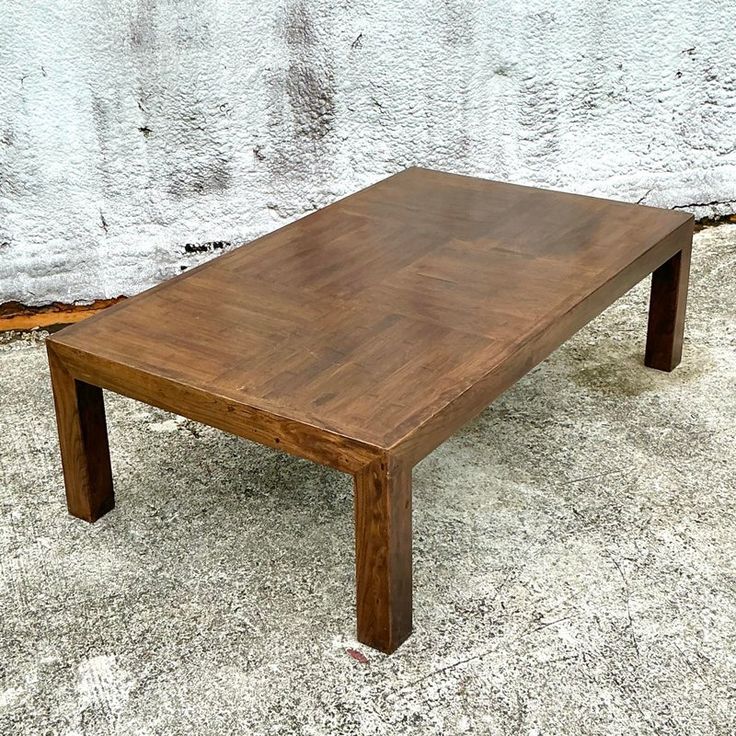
365, 334
667, 312
383, 553
85, 455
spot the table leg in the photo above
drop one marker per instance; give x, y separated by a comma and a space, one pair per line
85, 455
383, 553
667, 312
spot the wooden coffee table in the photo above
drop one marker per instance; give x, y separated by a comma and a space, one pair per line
364, 335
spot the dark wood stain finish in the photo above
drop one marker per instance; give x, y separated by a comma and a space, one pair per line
365, 334
383, 553
667, 312
80, 414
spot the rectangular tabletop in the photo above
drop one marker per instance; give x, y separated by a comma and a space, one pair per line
385, 320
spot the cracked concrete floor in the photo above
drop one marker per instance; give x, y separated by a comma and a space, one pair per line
574, 560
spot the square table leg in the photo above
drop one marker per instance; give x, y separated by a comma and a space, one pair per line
383, 553
85, 455
667, 312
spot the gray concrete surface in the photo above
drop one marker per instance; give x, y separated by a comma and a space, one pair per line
574, 558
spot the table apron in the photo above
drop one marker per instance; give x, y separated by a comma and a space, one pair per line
266, 428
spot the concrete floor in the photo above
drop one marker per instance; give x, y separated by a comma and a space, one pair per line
575, 566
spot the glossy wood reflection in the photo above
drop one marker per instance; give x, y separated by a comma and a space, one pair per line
363, 335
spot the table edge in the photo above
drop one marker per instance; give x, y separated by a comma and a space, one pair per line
336, 448
684, 214
418, 441
264, 426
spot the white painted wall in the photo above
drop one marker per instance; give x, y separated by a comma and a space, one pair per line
131, 128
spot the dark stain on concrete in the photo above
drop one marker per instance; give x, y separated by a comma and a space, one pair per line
105, 116
197, 178
540, 102
615, 379
207, 165
540, 110
298, 28
309, 82
206, 247
302, 105
607, 367
142, 29
310, 90
704, 222
143, 35
188, 147
462, 147
279, 210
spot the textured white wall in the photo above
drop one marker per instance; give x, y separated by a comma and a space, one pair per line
135, 131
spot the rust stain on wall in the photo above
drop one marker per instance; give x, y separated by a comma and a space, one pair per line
17, 316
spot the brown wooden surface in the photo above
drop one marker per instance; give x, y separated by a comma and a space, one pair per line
373, 315
667, 312
383, 553
369, 331
80, 417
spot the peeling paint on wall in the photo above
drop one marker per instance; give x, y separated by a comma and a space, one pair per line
130, 129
